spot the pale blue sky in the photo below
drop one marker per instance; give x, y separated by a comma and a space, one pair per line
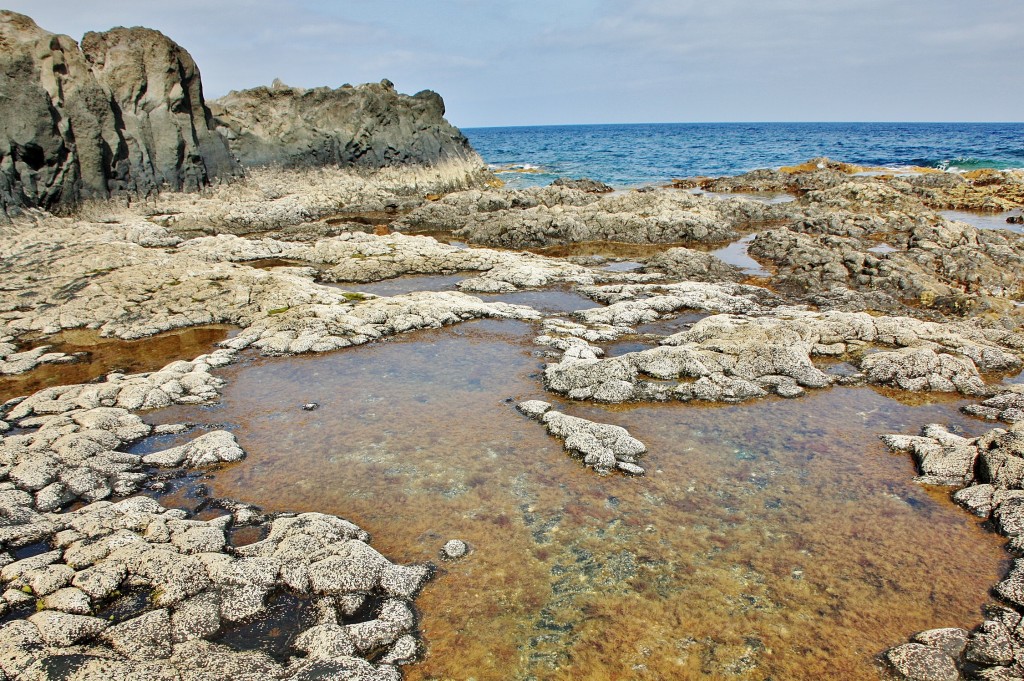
533, 62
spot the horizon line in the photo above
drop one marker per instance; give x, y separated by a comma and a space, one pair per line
582, 125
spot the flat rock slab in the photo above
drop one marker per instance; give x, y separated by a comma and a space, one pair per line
917, 662
210, 449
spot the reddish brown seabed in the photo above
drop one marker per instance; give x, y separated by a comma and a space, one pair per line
775, 539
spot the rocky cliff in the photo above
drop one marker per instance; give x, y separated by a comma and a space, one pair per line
369, 125
123, 113
156, 89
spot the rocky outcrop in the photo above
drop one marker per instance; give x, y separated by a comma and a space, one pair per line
871, 244
584, 184
157, 95
369, 126
990, 473
534, 218
690, 265
1006, 406
980, 190
124, 113
732, 358
48, 101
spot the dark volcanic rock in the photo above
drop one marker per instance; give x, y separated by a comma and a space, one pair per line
158, 94
124, 115
369, 125
48, 100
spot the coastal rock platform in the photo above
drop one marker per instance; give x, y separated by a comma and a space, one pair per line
85, 526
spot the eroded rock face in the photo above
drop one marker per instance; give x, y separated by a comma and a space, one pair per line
124, 113
370, 126
49, 100
157, 92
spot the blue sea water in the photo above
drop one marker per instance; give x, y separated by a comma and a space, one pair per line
634, 155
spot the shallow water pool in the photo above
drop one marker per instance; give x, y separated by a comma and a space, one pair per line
777, 539
984, 220
99, 356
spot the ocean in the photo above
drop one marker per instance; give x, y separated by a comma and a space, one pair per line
642, 154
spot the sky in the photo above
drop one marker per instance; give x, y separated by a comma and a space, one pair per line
538, 62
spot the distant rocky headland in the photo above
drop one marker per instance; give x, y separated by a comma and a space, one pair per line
134, 208
123, 113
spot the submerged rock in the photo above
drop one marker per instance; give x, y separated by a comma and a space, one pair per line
454, 549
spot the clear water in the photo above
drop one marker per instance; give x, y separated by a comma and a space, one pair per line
632, 155
736, 254
778, 539
985, 220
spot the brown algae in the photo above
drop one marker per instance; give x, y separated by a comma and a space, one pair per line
776, 539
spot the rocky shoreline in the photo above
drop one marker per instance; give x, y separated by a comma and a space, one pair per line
862, 281
132, 272
122, 115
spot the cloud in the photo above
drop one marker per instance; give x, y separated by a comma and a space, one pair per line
535, 61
